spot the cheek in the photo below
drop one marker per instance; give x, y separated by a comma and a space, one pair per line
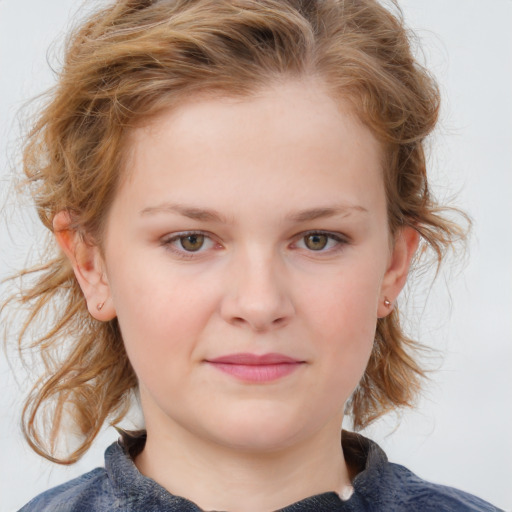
343, 315
345, 303
160, 315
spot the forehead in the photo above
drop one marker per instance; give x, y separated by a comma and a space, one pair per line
290, 136
286, 103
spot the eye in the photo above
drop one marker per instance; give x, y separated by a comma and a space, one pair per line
316, 241
192, 242
320, 241
185, 244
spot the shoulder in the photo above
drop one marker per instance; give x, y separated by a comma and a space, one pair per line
410, 492
381, 485
91, 491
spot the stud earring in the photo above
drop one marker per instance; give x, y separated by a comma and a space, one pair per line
387, 303
100, 306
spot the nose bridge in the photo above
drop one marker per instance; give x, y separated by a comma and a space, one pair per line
258, 294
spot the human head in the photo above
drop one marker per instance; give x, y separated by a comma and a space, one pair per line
135, 59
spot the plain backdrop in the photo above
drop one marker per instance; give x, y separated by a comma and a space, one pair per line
461, 433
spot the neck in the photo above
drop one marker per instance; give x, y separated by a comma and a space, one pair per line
231, 479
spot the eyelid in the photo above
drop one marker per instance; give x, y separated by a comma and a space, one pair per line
340, 238
167, 242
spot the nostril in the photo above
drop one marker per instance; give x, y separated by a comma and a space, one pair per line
237, 320
258, 324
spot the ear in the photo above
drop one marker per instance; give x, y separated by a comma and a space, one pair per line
88, 266
405, 245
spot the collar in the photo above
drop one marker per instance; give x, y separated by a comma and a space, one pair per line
138, 492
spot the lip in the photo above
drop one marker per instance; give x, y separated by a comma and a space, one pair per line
256, 368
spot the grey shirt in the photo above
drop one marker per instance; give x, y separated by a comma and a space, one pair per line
378, 486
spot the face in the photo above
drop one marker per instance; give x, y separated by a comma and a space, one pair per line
247, 258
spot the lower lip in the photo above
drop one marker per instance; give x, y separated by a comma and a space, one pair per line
257, 372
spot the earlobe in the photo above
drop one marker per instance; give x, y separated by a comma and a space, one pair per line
406, 243
88, 267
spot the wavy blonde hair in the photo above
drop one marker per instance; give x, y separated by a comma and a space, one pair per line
135, 58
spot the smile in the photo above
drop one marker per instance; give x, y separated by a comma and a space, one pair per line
256, 368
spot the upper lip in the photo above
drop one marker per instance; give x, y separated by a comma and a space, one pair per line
255, 359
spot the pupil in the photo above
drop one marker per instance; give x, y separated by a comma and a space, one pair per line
192, 242
316, 242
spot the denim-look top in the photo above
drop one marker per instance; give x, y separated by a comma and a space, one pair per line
378, 486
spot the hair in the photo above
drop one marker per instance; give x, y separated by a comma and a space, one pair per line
136, 58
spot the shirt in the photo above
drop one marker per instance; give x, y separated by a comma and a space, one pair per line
378, 486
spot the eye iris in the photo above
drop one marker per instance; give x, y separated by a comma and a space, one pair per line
316, 242
192, 242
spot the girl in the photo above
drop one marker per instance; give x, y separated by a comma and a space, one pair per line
238, 190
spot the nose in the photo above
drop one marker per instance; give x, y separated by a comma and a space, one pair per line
257, 294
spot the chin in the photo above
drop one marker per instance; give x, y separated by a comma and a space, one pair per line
260, 432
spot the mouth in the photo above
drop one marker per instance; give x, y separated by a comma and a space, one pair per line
256, 368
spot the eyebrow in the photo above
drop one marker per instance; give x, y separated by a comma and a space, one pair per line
202, 214
206, 214
322, 213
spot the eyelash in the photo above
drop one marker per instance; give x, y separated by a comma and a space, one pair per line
168, 242
340, 240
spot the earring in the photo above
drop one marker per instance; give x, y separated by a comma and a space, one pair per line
100, 306
387, 303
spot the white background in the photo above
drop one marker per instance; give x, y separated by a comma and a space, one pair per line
461, 434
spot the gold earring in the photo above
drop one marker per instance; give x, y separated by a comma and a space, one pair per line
387, 303
100, 306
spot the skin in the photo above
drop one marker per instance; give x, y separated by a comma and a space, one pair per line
279, 166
